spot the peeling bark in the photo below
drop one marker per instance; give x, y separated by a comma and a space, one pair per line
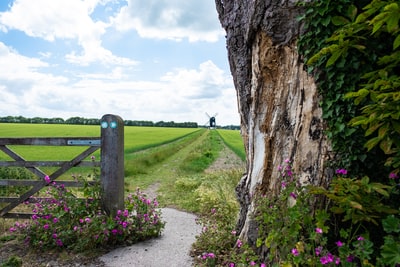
278, 101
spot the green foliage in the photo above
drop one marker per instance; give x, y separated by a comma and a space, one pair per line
13, 261
379, 93
62, 221
358, 200
390, 252
310, 226
214, 197
339, 52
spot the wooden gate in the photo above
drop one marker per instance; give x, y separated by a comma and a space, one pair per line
111, 163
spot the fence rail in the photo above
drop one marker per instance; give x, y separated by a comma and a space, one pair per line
110, 143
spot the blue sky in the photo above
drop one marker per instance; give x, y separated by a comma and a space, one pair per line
143, 60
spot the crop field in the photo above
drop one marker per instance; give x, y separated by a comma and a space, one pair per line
136, 138
234, 141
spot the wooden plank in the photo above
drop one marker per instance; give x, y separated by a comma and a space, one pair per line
52, 177
30, 200
18, 216
52, 141
13, 182
27, 164
17, 157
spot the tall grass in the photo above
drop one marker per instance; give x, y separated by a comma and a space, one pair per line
203, 154
140, 162
234, 141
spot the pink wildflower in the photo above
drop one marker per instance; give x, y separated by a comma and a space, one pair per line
295, 252
126, 213
47, 179
318, 250
59, 243
211, 255
341, 171
393, 175
339, 243
318, 230
239, 243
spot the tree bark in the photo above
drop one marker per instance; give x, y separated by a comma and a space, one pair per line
278, 101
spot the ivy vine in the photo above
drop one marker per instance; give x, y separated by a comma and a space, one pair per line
339, 60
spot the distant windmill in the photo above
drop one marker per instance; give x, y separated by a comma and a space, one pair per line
211, 121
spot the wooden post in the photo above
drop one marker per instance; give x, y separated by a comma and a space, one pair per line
112, 163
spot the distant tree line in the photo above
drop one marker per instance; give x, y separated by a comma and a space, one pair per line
91, 121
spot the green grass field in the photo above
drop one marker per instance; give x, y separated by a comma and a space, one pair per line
135, 139
234, 141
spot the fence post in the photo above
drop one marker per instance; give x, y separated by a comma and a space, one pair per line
112, 163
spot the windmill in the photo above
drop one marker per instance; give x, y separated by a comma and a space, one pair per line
211, 121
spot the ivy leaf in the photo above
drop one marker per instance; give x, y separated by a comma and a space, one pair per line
371, 143
386, 145
355, 205
392, 17
396, 126
335, 55
396, 42
372, 128
352, 12
383, 130
339, 21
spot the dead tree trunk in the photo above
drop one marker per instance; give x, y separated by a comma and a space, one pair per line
278, 101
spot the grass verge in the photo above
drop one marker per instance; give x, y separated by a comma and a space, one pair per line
234, 141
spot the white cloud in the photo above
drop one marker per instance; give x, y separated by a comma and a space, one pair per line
180, 95
171, 19
205, 83
60, 19
23, 71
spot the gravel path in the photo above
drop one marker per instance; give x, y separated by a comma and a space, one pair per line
171, 249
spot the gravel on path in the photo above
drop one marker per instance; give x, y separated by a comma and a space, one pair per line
170, 249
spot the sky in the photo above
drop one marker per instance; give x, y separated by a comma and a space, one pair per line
155, 60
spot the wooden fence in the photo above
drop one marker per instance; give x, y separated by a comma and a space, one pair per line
111, 145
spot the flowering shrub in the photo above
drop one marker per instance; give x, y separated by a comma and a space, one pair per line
291, 234
354, 222
216, 237
61, 220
